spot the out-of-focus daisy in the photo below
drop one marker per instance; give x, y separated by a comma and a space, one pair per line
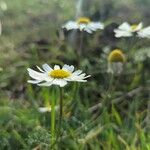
83, 24
1, 69
57, 76
3, 6
127, 30
116, 59
46, 109
142, 54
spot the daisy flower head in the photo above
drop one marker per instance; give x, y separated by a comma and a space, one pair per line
83, 24
116, 59
57, 76
116, 56
127, 30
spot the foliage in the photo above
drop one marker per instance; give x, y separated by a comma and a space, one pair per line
97, 115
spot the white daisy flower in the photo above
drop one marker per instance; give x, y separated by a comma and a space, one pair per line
57, 76
83, 24
127, 30
46, 109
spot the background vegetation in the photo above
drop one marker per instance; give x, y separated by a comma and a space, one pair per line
94, 117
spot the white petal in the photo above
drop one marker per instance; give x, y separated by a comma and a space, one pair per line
71, 68
65, 67
36, 75
83, 76
60, 82
44, 109
139, 27
125, 26
47, 68
79, 77
145, 32
81, 80
34, 81
40, 69
82, 27
56, 67
70, 25
77, 72
120, 33
87, 76
88, 30
46, 84
95, 25
68, 68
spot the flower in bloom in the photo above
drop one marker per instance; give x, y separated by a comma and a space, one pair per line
127, 30
83, 24
57, 76
116, 59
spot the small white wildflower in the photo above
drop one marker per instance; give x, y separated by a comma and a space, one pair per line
83, 24
57, 76
127, 30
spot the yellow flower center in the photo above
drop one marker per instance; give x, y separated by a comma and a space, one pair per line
60, 74
116, 56
83, 20
134, 26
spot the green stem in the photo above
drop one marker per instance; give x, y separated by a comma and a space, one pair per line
80, 49
60, 117
61, 107
81, 44
111, 82
53, 118
108, 90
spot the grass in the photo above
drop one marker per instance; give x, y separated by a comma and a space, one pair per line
97, 115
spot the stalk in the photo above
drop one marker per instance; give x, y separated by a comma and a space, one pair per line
53, 118
61, 107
